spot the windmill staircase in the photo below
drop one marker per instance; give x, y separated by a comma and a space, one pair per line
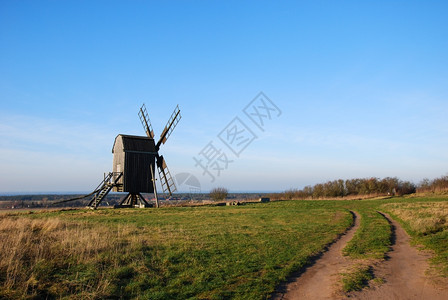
110, 180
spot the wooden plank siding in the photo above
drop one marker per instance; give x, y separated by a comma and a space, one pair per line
133, 155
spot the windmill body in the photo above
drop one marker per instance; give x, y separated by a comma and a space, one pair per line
134, 156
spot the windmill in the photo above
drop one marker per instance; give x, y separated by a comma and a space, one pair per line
135, 161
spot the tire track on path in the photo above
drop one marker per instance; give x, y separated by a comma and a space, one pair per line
403, 272
319, 280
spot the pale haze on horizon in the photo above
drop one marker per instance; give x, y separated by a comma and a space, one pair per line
356, 89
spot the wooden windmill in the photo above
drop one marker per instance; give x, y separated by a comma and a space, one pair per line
134, 164
136, 158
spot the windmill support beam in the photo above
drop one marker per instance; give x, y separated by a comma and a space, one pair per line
154, 186
133, 200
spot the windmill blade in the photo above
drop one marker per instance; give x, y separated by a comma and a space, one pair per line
144, 118
172, 122
168, 185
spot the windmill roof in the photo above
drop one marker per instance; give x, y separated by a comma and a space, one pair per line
136, 143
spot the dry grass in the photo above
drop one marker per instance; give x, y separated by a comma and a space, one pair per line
373, 196
423, 218
427, 223
35, 251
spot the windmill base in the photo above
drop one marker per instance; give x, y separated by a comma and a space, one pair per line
132, 201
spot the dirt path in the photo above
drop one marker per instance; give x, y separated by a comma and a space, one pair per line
403, 272
319, 280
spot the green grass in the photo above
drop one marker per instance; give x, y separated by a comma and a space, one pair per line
172, 253
372, 239
357, 279
239, 252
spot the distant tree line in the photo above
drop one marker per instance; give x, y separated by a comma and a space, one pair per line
433, 186
352, 188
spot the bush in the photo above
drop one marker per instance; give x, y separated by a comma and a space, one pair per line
219, 194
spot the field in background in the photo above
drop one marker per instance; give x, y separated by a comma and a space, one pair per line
169, 253
201, 252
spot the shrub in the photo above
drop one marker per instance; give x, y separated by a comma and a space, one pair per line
219, 193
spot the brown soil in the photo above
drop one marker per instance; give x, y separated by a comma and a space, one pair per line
403, 273
320, 280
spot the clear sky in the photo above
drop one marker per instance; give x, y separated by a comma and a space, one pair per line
361, 89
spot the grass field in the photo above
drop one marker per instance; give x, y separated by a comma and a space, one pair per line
173, 253
198, 252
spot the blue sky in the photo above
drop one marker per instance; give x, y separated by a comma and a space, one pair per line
362, 87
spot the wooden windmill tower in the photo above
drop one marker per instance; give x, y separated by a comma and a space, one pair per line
136, 158
135, 161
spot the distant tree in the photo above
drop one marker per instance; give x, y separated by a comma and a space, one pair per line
318, 191
352, 186
392, 184
424, 184
436, 185
289, 194
308, 190
219, 193
440, 184
405, 188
